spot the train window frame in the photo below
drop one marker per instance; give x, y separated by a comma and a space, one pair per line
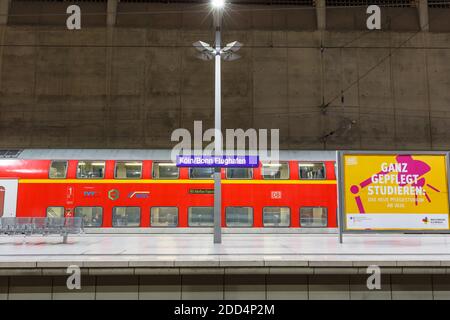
280, 162
199, 226
140, 217
65, 171
173, 226
63, 214
313, 207
312, 162
168, 162
191, 168
127, 161
251, 174
84, 226
281, 207
92, 161
246, 226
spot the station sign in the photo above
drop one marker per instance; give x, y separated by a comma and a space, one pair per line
217, 161
390, 192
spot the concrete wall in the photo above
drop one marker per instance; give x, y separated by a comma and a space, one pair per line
131, 85
235, 287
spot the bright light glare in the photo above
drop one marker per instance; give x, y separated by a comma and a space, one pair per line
218, 4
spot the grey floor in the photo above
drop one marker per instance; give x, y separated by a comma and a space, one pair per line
255, 248
244, 266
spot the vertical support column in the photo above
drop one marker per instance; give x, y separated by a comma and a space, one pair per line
321, 14
111, 12
340, 194
4, 10
423, 15
218, 137
217, 206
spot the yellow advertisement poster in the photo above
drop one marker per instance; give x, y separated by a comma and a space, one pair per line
395, 192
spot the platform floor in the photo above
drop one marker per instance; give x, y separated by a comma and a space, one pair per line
244, 266
252, 250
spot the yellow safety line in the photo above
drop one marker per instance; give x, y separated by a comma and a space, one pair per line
178, 181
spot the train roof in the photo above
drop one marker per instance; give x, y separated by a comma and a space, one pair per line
139, 154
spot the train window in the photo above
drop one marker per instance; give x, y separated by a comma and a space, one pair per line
165, 170
201, 173
312, 171
239, 173
91, 169
126, 216
239, 216
276, 217
92, 216
55, 212
128, 170
275, 170
313, 217
58, 170
201, 216
164, 216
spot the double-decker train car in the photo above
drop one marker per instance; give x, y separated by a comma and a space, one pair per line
132, 189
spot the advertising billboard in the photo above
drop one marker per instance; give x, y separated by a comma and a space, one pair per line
395, 191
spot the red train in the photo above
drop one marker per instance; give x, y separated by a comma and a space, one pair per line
141, 188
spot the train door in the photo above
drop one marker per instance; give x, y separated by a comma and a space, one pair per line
8, 197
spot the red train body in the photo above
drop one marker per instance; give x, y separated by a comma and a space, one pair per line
39, 195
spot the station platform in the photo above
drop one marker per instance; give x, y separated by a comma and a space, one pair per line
238, 253
244, 266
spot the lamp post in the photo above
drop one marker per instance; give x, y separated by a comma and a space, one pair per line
228, 54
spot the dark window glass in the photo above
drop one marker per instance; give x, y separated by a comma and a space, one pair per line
201, 216
90, 169
201, 173
276, 217
91, 216
275, 170
312, 171
313, 217
128, 170
58, 170
165, 170
55, 212
239, 173
164, 216
239, 216
126, 216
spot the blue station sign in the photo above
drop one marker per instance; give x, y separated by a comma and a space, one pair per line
218, 161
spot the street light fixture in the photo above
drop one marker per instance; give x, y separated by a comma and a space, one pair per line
228, 53
218, 4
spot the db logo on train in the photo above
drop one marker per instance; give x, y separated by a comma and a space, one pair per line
113, 194
275, 195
